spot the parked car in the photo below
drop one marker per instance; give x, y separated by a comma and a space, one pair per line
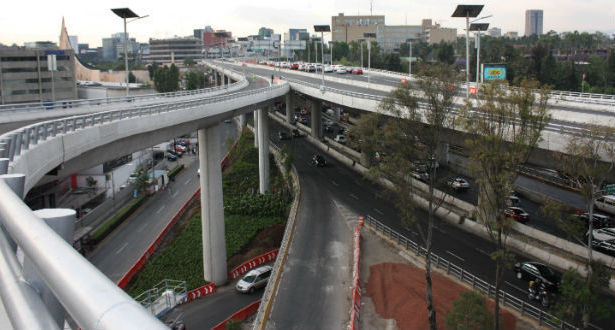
328, 69
341, 70
254, 279
340, 139
174, 153
517, 213
606, 203
283, 136
600, 220
458, 184
604, 240
294, 66
513, 201
171, 157
530, 271
357, 71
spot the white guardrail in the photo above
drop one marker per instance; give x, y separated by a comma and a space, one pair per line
89, 297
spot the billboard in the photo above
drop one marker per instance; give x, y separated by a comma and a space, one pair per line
494, 72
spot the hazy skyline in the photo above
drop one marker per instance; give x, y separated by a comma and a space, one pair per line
23, 21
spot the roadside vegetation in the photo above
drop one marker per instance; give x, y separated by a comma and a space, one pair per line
246, 213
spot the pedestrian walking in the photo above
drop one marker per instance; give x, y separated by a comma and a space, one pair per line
272, 79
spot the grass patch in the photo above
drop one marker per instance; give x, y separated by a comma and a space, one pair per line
108, 226
246, 214
173, 172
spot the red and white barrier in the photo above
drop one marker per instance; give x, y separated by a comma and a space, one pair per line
356, 281
241, 315
246, 266
199, 293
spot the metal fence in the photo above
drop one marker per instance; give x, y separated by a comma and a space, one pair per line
522, 306
163, 296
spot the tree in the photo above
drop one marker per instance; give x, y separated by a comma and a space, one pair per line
166, 79
131, 77
587, 161
506, 124
195, 80
189, 61
469, 311
579, 297
402, 129
446, 53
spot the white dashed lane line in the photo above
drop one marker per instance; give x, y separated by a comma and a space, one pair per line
483, 252
160, 209
353, 196
188, 181
456, 256
121, 248
378, 211
335, 183
514, 286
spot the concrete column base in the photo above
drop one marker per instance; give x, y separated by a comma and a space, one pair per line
212, 208
263, 151
316, 116
289, 108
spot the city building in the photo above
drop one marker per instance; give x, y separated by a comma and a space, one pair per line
174, 50
265, 32
24, 76
494, 32
216, 38
297, 34
533, 22
40, 44
389, 37
512, 34
113, 48
74, 43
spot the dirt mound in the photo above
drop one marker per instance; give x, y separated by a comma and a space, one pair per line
266, 240
398, 292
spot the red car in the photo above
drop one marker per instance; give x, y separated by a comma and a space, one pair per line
357, 71
294, 66
517, 213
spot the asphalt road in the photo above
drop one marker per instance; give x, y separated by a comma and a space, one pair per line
122, 248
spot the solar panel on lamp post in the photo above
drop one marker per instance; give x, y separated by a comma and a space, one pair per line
322, 29
467, 11
125, 13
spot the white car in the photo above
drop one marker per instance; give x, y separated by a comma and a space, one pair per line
458, 184
254, 279
341, 70
340, 139
328, 69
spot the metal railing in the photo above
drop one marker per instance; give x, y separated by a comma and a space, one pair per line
89, 297
163, 296
520, 305
67, 104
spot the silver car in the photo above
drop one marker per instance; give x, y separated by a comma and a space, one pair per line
254, 279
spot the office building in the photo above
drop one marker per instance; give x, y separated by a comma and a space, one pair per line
173, 50
41, 45
533, 22
216, 38
512, 34
265, 32
24, 76
297, 34
494, 32
389, 37
113, 48
74, 43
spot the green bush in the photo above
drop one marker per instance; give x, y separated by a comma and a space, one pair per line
258, 205
173, 172
107, 227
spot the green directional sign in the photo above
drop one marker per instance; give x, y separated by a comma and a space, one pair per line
610, 189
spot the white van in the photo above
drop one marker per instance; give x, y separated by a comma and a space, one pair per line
606, 203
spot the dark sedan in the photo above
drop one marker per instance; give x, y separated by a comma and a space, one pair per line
530, 271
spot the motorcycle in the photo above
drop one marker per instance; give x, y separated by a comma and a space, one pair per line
539, 292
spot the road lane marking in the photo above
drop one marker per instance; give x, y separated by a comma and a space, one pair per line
174, 194
514, 286
334, 183
378, 211
353, 196
188, 181
122, 248
160, 209
142, 227
456, 256
483, 252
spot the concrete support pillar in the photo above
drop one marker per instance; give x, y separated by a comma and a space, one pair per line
443, 155
62, 221
243, 121
263, 151
255, 128
289, 108
212, 208
316, 119
223, 80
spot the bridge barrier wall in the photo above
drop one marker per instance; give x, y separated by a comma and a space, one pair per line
356, 280
199, 293
240, 315
456, 211
253, 263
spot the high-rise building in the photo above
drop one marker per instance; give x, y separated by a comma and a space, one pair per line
533, 22
298, 34
113, 48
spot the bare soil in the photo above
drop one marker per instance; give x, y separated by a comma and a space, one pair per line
398, 292
266, 240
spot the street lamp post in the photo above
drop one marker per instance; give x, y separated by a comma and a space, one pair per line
467, 11
478, 27
361, 46
369, 53
409, 57
322, 29
125, 13
331, 43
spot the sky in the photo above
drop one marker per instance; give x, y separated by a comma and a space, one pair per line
24, 21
